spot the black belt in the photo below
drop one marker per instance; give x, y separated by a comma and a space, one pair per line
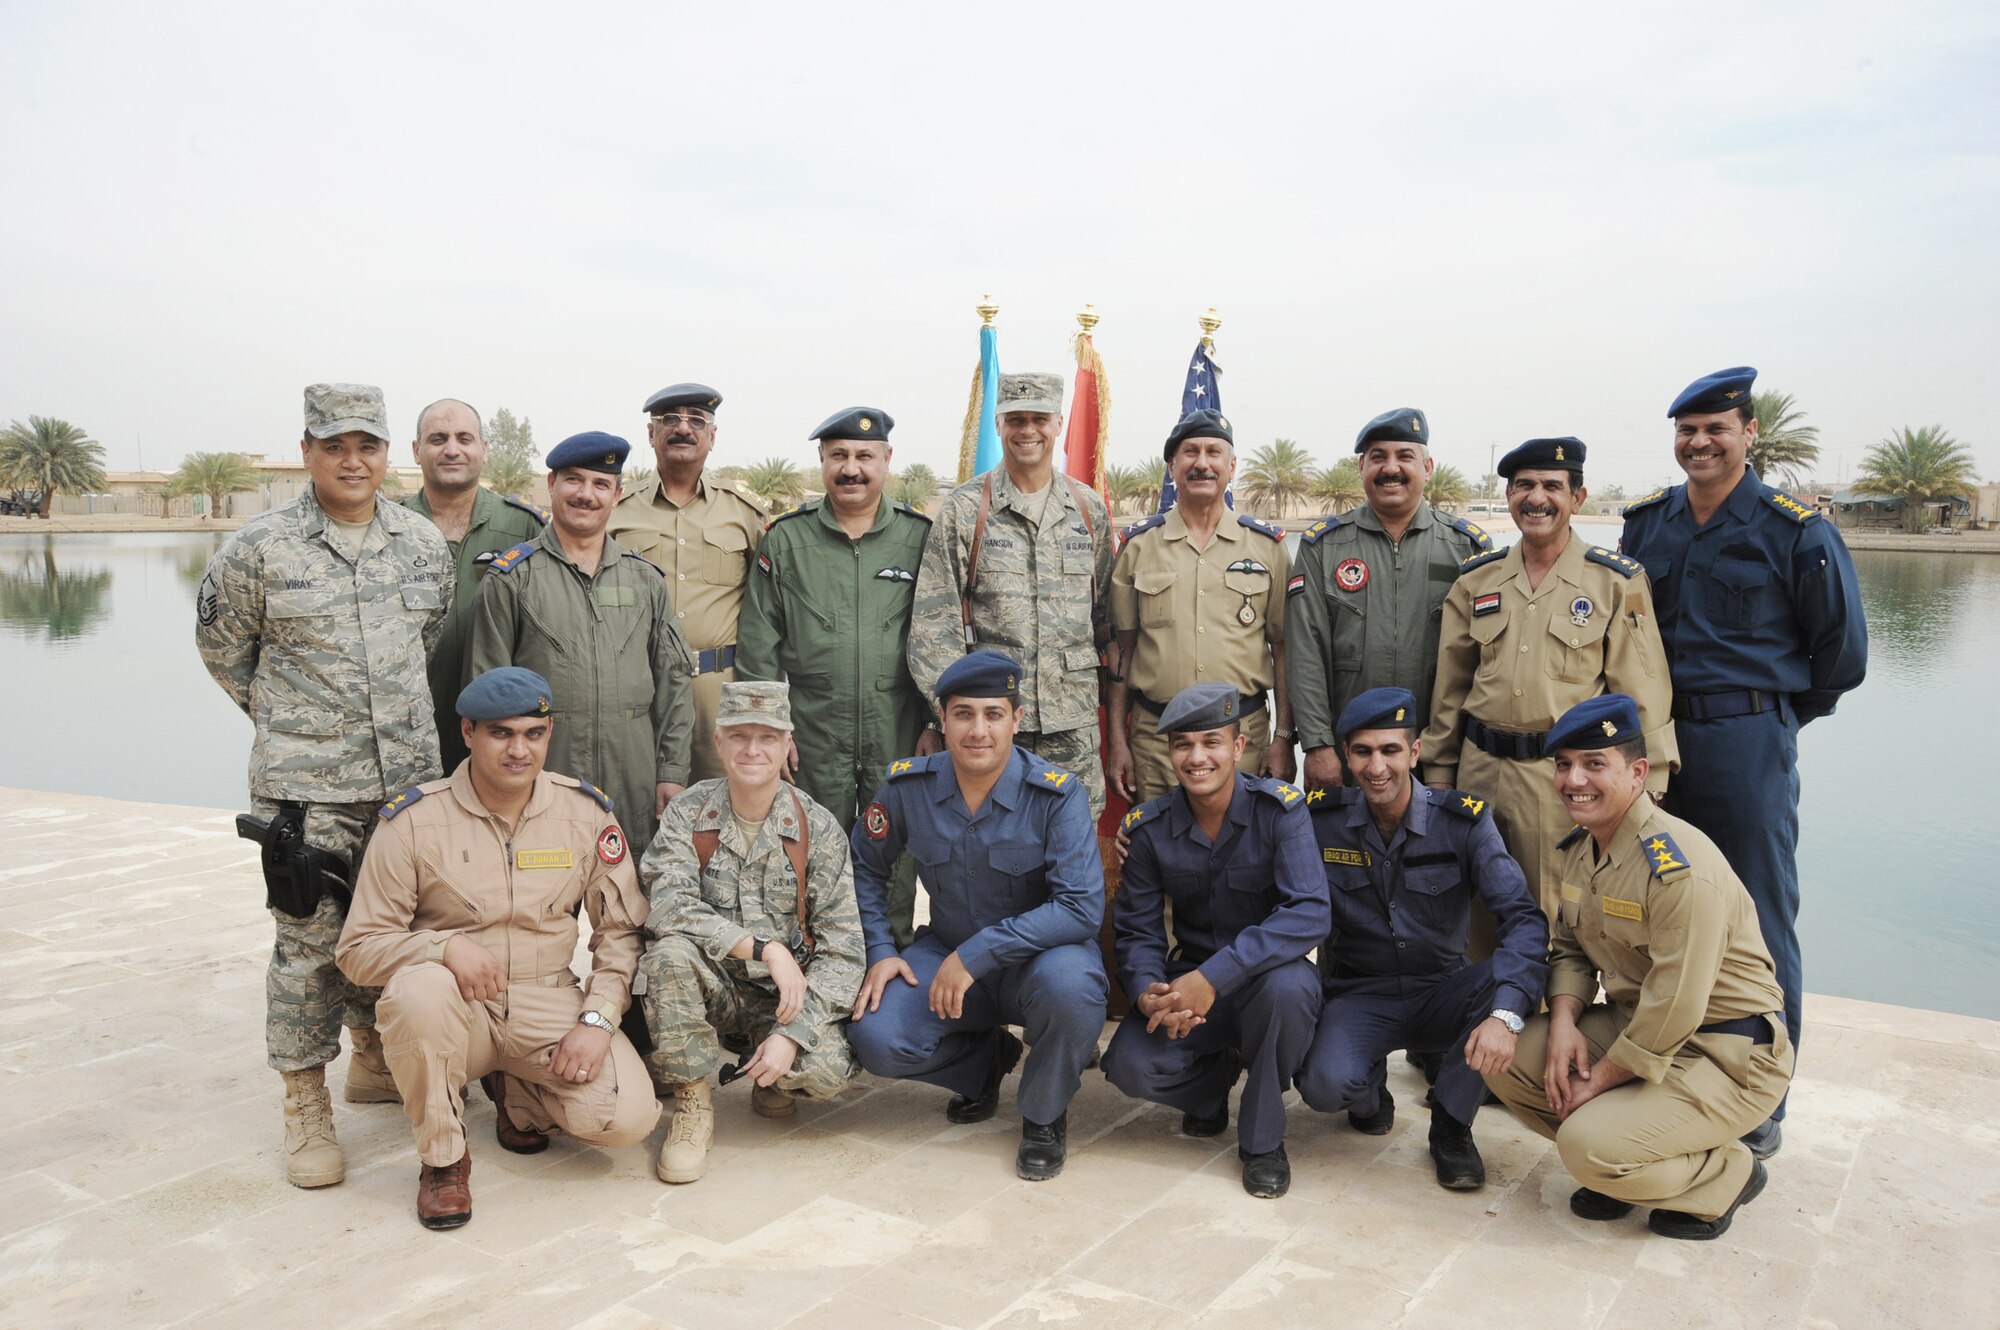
1722, 706
717, 658
1757, 1029
1250, 704
1500, 743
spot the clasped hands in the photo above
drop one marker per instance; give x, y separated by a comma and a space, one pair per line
1178, 1007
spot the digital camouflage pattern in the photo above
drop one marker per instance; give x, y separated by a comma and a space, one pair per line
332, 409
306, 997
1040, 595
609, 649
699, 914
755, 702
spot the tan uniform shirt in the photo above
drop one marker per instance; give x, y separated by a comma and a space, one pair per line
1667, 924
1203, 616
1517, 657
441, 866
703, 547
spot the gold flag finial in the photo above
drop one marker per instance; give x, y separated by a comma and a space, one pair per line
1209, 323
986, 309
1086, 318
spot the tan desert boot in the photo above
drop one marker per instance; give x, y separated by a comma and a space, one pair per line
312, 1155
368, 1078
770, 1102
684, 1154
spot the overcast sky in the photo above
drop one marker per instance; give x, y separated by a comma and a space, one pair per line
1525, 219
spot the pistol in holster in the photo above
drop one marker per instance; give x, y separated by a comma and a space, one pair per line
297, 876
633, 1022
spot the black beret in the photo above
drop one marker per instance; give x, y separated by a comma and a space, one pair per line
1405, 424
856, 422
1203, 424
1564, 454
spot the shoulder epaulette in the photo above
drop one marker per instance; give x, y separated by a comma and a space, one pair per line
1664, 856
1049, 778
1467, 806
634, 554
908, 766
583, 787
1287, 795
507, 560
913, 511
1331, 796
1468, 527
1789, 506
1311, 535
400, 802
792, 511
1570, 839
1145, 812
540, 515
1480, 560
1646, 500
1260, 526
1148, 524
1623, 563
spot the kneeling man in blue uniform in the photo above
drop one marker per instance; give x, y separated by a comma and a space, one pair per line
1007, 850
1402, 864
1237, 856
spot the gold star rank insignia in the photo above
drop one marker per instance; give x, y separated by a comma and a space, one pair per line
1055, 778
899, 766
1132, 818
1476, 805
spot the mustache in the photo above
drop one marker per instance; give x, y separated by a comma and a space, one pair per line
1201, 473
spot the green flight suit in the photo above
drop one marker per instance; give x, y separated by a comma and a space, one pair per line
622, 675
1363, 611
832, 616
497, 523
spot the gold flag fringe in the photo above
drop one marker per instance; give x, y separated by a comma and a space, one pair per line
968, 430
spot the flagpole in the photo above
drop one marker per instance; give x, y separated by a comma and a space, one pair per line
1209, 323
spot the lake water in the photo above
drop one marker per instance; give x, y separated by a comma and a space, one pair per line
106, 696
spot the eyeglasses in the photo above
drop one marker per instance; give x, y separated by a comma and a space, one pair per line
687, 418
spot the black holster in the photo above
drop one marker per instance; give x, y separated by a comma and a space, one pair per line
297, 876
633, 1022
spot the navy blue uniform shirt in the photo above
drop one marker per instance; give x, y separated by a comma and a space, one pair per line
1020, 876
1400, 909
1764, 596
1248, 901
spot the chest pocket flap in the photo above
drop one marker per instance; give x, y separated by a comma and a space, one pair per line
1432, 879
417, 596
725, 546
1155, 587
1247, 584
1014, 858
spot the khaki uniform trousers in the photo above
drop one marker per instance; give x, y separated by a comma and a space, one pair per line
1531, 818
1153, 773
1670, 1146
435, 1042
706, 760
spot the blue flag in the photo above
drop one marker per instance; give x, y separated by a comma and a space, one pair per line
987, 455
1201, 392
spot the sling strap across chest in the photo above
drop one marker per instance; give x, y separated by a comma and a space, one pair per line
705, 843
1076, 493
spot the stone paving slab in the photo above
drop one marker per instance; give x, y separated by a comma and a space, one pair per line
141, 1184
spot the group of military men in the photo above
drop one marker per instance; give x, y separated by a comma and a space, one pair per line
737, 744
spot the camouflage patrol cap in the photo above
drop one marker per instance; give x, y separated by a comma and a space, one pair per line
1029, 392
332, 409
747, 703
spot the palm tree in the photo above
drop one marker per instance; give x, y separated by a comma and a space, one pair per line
508, 476
1448, 488
916, 486
1277, 477
1337, 487
216, 475
773, 483
635, 476
1917, 466
51, 456
1134, 489
729, 475
1786, 446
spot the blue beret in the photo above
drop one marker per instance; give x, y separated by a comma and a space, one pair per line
592, 451
505, 692
1379, 709
856, 422
683, 394
981, 674
1564, 454
1200, 425
1405, 424
1724, 390
1201, 706
1597, 723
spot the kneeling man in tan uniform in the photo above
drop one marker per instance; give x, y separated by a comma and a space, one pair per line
465, 914
1645, 1094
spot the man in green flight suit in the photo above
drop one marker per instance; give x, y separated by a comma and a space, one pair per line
478, 525
1367, 590
828, 607
596, 621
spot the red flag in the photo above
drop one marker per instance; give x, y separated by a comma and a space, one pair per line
1088, 441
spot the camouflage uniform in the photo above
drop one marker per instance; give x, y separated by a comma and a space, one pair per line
694, 991
1044, 568
327, 658
498, 523
607, 644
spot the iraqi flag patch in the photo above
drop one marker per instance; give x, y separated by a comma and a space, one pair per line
611, 845
1486, 604
1295, 585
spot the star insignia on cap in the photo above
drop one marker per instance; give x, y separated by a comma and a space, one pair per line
1476, 805
1609, 729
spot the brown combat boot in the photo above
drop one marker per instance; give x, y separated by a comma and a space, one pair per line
520, 1140
368, 1078
312, 1155
444, 1195
684, 1154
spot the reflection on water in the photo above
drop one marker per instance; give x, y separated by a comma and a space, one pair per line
43, 601
1896, 843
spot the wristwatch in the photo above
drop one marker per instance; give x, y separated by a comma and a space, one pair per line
598, 1020
757, 945
1507, 1018
1284, 736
